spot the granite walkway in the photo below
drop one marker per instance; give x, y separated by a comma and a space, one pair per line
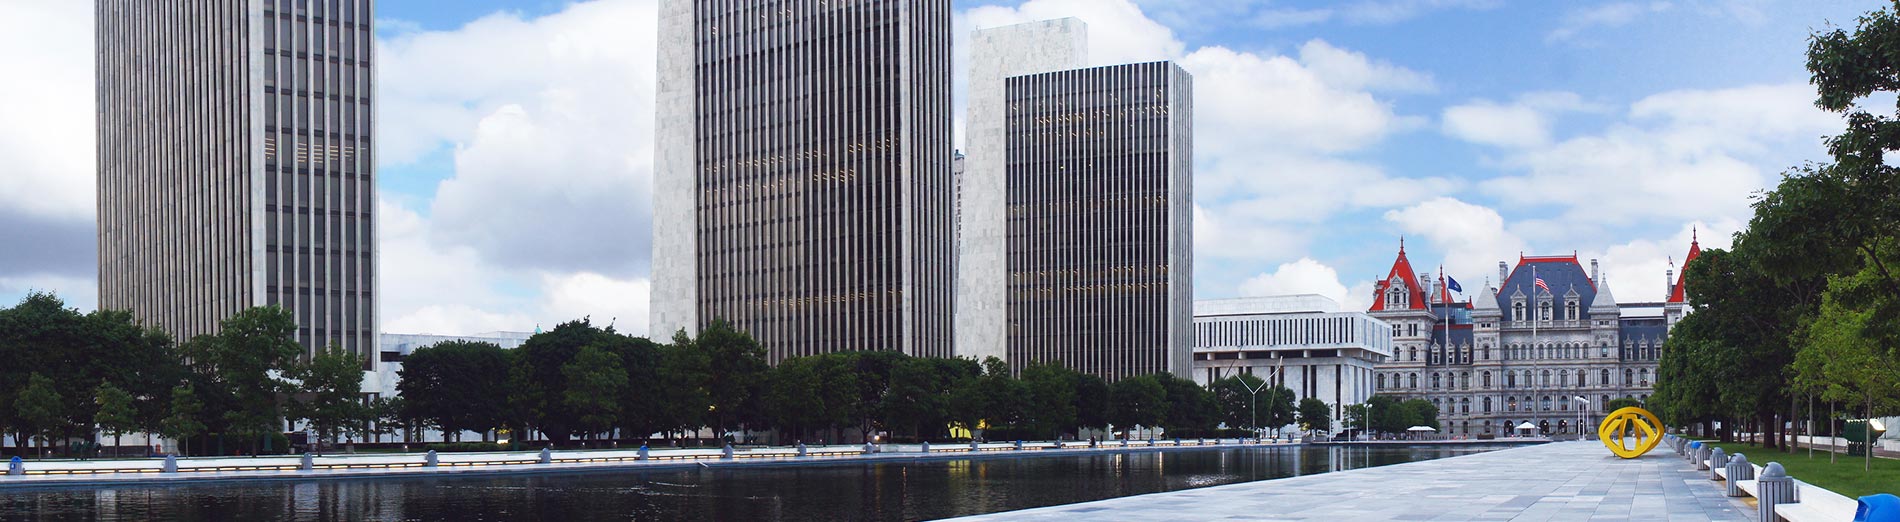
1557, 481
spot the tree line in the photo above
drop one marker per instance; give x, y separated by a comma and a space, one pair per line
582, 381
1800, 319
70, 377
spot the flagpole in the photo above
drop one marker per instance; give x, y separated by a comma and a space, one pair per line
1536, 411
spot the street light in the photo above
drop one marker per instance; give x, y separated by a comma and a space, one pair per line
1579, 427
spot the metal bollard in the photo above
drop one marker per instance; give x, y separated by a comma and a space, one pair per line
926, 447
1702, 458
1718, 460
802, 450
1689, 453
429, 460
16, 467
547, 455
1019, 445
1774, 487
1124, 443
170, 466
973, 447
869, 449
309, 463
1738, 471
645, 453
727, 452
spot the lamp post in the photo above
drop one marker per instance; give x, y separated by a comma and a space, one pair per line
1579, 427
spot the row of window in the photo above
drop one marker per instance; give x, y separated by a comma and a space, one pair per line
1511, 379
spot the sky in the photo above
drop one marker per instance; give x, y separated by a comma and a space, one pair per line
514, 141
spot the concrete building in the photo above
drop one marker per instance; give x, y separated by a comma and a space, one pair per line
995, 55
235, 165
395, 347
1099, 195
1303, 342
803, 186
1549, 346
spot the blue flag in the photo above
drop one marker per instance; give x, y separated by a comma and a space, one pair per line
1453, 285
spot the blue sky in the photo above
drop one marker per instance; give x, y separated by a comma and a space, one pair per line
515, 140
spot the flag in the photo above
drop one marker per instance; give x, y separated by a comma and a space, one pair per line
1453, 284
1540, 284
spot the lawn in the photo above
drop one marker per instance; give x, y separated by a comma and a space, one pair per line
1844, 476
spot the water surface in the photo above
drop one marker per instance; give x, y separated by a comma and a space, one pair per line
863, 491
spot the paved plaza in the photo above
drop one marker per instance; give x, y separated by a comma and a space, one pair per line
1557, 481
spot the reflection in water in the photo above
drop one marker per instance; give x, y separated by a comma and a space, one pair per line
880, 491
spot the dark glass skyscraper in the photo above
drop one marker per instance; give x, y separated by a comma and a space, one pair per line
803, 185
235, 166
1100, 220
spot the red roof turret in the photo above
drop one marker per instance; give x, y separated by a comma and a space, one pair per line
1401, 271
1695, 249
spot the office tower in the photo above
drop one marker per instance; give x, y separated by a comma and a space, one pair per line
803, 185
997, 54
235, 164
1100, 226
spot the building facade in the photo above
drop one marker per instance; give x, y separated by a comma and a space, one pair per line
1302, 342
803, 186
1099, 193
235, 166
997, 54
1549, 346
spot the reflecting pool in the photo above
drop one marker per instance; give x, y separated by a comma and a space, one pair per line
843, 491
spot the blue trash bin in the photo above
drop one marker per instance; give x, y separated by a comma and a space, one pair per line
1878, 508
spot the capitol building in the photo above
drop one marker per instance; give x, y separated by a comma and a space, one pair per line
1548, 345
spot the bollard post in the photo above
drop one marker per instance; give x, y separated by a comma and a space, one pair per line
1774, 487
645, 453
1689, 453
547, 455
170, 466
868, 448
429, 460
1019, 444
309, 463
802, 450
1738, 471
726, 453
926, 447
1124, 443
972, 445
1718, 460
1702, 458
16, 467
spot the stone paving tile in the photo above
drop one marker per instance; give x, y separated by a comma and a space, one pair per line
1551, 482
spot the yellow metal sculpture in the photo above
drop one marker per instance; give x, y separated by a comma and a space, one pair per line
1630, 421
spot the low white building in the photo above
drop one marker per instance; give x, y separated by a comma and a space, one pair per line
1303, 342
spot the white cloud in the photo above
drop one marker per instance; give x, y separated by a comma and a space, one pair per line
1352, 70
1612, 14
1306, 276
1489, 123
551, 123
621, 302
1280, 18
1637, 270
1118, 30
47, 106
78, 292
1473, 237
1384, 12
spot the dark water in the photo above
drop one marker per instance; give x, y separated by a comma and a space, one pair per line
873, 491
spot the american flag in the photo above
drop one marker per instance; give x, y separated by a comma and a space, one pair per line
1540, 284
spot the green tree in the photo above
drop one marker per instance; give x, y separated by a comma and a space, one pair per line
1315, 415
1190, 407
737, 375
595, 382
457, 386
182, 422
685, 372
1005, 399
236, 369
116, 416
1091, 401
540, 385
641, 413
329, 393
1416, 412
40, 409
1622, 402
1846, 363
1052, 394
1137, 401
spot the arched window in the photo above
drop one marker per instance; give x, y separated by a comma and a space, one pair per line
1543, 310
1545, 404
1434, 380
1487, 405
1604, 377
1629, 376
1644, 377
1413, 380
1414, 352
1487, 352
1563, 377
1485, 378
1517, 310
1546, 378
1603, 403
1464, 405
1381, 381
1510, 379
1510, 404
1464, 380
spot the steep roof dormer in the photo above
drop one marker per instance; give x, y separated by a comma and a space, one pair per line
1695, 249
1399, 290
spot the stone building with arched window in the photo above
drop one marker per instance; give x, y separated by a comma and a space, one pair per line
1550, 354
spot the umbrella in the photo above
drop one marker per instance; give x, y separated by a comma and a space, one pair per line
1526, 426
1421, 428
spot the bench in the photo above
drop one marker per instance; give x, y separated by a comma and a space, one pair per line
1818, 504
